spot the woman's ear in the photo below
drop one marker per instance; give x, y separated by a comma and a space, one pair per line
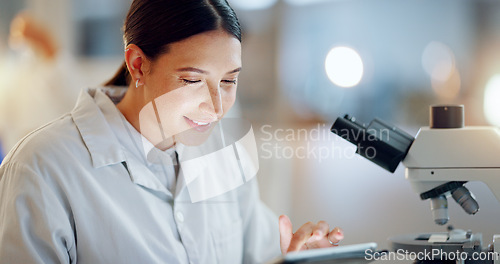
135, 59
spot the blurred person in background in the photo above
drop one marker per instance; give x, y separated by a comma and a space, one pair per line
81, 190
37, 85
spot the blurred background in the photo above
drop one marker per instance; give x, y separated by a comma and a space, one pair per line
305, 63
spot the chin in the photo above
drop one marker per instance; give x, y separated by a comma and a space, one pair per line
193, 137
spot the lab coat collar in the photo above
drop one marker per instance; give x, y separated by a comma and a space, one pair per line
96, 133
105, 148
181, 182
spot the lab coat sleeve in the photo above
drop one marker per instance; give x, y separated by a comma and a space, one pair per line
261, 230
34, 222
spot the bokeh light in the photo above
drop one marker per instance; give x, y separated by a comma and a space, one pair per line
344, 66
438, 61
492, 100
449, 89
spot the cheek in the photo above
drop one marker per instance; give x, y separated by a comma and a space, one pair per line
173, 104
172, 107
158, 86
228, 101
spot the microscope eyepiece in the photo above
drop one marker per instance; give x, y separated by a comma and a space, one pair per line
379, 142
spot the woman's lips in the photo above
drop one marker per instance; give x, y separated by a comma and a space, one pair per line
198, 125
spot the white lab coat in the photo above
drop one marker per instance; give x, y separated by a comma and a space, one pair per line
66, 196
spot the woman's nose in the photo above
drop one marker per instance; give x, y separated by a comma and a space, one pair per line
213, 106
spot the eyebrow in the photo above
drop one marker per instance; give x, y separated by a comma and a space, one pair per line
235, 70
192, 69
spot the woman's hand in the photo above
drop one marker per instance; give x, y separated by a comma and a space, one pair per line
308, 236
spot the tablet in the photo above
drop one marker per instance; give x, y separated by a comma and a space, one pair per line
342, 254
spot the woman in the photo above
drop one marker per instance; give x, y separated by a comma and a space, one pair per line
101, 184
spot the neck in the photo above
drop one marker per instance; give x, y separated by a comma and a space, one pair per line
130, 107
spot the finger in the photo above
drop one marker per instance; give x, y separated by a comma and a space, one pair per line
319, 231
336, 235
301, 236
286, 233
319, 236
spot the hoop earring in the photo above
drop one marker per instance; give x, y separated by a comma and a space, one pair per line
137, 83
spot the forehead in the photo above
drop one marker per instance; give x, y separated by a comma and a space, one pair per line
213, 49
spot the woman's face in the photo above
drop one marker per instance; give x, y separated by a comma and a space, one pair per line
190, 87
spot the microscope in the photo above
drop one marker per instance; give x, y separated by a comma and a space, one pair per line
439, 161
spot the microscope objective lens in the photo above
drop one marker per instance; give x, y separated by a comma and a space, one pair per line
466, 200
439, 208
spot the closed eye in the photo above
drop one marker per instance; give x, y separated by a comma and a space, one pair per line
229, 81
186, 81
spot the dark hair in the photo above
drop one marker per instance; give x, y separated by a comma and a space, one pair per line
153, 24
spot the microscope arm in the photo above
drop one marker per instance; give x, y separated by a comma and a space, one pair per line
464, 154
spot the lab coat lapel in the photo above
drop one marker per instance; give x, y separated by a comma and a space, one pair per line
104, 148
142, 176
98, 137
181, 183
